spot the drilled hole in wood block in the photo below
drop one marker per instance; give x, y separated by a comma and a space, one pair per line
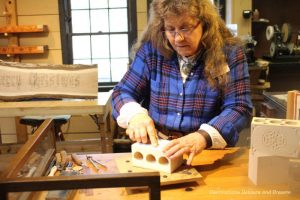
150, 158
275, 121
291, 122
138, 156
163, 161
259, 120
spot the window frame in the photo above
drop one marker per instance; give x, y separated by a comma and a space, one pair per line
66, 34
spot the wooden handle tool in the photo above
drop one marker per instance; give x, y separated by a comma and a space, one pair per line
76, 159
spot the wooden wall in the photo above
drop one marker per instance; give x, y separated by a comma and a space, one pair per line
32, 12
234, 15
141, 7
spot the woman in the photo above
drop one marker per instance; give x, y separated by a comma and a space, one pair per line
188, 80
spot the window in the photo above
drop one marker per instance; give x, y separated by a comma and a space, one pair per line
99, 32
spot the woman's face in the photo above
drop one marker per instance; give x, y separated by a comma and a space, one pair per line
184, 34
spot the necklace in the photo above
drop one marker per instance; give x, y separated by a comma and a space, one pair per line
187, 68
186, 64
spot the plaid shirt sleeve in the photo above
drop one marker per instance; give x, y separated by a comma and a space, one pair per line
237, 105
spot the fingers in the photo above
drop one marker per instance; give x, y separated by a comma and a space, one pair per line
170, 145
152, 135
143, 135
139, 135
140, 127
190, 158
130, 133
175, 149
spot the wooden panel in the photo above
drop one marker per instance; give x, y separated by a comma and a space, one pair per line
50, 57
7, 125
3, 41
9, 138
141, 21
244, 25
2, 2
52, 21
52, 40
141, 6
33, 7
80, 124
22, 50
80, 136
2, 19
23, 29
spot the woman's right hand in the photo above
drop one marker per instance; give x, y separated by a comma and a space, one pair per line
140, 127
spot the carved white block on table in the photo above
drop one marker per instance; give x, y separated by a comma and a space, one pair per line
277, 137
150, 157
265, 169
30, 80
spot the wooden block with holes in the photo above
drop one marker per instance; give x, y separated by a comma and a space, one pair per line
150, 157
276, 137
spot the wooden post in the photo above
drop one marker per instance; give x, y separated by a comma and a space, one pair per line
21, 131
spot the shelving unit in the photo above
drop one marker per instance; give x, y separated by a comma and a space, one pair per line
277, 12
12, 30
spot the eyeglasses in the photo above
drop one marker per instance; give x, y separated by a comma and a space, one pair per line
184, 32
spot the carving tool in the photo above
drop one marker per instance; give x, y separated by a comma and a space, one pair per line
99, 163
58, 161
53, 163
76, 159
53, 170
31, 172
91, 160
64, 158
79, 163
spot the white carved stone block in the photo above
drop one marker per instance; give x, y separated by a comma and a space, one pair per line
150, 157
264, 169
276, 137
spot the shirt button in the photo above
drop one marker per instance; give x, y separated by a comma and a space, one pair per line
192, 74
180, 93
178, 114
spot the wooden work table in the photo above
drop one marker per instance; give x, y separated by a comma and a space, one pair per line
224, 176
226, 179
100, 106
56, 107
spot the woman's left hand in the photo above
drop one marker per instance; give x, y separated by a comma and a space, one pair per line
191, 144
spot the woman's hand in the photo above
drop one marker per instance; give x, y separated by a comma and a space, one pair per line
191, 144
140, 126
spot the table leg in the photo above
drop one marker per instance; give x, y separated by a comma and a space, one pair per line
21, 131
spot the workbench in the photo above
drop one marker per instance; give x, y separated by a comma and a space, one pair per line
224, 178
99, 107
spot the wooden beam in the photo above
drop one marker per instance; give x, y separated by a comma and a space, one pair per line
23, 29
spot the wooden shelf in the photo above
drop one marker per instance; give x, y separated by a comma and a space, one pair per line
12, 30
23, 50
23, 29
